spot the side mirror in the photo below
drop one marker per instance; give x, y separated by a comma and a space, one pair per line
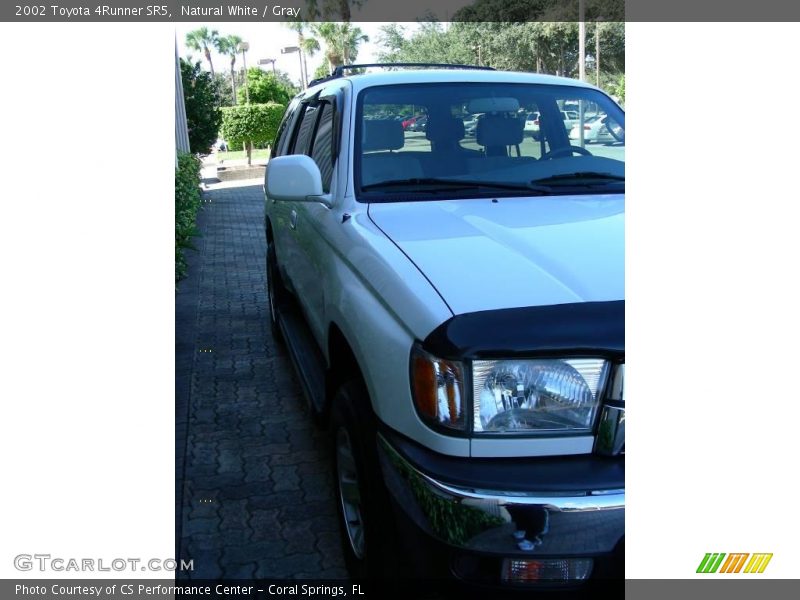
294, 178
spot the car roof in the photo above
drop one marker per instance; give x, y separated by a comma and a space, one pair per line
361, 81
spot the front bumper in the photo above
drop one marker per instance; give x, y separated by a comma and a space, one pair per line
508, 524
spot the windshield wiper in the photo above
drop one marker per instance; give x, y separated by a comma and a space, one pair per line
581, 178
454, 184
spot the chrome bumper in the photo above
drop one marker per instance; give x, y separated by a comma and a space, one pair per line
507, 523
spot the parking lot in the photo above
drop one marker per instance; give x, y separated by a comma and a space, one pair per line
416, 140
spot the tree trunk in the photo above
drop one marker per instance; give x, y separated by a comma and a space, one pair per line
233, 82
597, 54
249, 147
303, 67
208, 58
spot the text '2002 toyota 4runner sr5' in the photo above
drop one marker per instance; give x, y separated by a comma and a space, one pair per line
455, 309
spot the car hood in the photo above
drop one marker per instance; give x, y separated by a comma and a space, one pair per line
485, 254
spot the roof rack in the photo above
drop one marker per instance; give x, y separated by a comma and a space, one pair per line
339, 71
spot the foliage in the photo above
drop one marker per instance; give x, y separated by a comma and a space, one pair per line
332, 10
542, 47
502, 10
341, 41
433, 42
323, 70
224, 88
202, 102
612, 45
225, 91
264, 88
618, 89
521, 11
229, 46
251, 124
286, 81
201, 40
187, 203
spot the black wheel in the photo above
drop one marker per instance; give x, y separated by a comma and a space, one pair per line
276, 293
362, 500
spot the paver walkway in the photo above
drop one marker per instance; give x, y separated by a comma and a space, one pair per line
254, 496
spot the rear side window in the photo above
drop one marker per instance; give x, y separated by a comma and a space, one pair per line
322, 148
302, 141
283, 135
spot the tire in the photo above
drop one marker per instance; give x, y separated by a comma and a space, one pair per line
367, 527
276, 292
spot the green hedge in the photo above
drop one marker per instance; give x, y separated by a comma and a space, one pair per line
253, 123
187, 203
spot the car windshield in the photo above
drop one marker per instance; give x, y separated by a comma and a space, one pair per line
475, 144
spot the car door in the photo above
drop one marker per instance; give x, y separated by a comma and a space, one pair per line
316, 135
279, 212
286, 225
312, 247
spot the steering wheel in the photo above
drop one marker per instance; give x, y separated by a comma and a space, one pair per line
565, 151
617, 132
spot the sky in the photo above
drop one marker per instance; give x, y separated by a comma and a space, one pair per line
266, 41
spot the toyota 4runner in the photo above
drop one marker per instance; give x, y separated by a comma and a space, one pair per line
455, 310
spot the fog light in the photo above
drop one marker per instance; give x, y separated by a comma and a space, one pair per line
546, 570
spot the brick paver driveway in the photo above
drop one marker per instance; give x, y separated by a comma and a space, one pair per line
254, 493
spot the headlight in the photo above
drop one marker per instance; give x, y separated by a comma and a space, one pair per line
438, 389
537, 396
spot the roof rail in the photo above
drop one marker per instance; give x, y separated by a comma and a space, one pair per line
339, 71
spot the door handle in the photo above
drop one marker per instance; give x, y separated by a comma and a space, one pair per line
293, 219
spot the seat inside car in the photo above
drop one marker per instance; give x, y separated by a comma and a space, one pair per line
497, 132
380, 161
447, 156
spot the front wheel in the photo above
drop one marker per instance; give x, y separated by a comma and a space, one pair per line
367, 529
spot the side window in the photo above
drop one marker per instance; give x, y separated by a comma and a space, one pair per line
302, 140
322, 148
284, 131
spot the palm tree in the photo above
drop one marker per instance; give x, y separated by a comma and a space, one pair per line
201, 39
308, 46
229, 46
352, 37
341, 42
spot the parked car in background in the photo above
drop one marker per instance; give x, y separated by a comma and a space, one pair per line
407, 123
570, 118
532, 125
419, 124
595, 129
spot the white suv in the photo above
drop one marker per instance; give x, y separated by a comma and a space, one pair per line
455, 310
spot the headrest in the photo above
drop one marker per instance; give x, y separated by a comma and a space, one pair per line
382, 134
496, 130
448, 129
